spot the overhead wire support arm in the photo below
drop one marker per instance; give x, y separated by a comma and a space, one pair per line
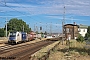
11, 8
5, 4
14, 9
23, 7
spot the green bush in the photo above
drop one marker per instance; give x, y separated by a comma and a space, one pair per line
2, 32
80, 38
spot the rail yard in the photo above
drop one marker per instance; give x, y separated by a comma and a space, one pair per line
23, 51
44, 30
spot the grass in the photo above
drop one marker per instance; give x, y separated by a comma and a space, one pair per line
74, 51
78, 47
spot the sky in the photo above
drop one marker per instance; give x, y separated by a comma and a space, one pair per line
48, 14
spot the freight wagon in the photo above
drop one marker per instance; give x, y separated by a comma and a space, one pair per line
31, 36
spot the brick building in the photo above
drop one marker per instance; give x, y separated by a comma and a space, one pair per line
70, 31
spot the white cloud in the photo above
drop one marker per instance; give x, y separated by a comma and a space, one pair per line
67, 18
76, 7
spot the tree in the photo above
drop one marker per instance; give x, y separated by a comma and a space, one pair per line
88, 32
80, 38
2, 32
87, 35
17, 25
36, 32
45, 33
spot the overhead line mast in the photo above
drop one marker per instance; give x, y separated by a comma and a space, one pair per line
63, 23
6, 27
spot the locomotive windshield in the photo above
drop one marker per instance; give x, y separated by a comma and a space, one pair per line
12, 34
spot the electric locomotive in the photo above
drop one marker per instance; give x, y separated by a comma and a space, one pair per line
17, 37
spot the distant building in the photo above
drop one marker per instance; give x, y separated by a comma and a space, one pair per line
82, 29
70, 31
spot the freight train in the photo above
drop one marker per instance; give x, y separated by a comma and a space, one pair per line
18, 37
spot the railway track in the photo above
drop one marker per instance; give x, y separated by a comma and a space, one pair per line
8, 48
5, 47
22, 52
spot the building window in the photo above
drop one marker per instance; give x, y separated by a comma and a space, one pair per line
84, 30
67, 30
79, 30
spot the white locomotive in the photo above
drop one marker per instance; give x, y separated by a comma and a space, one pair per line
16, 37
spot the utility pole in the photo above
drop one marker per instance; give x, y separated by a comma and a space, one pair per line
40, 28
23, 28
34, 28
46, 27
51, 28
6, 27
63, 23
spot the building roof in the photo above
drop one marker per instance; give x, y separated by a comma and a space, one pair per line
71, 25
83, 26
32, 32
